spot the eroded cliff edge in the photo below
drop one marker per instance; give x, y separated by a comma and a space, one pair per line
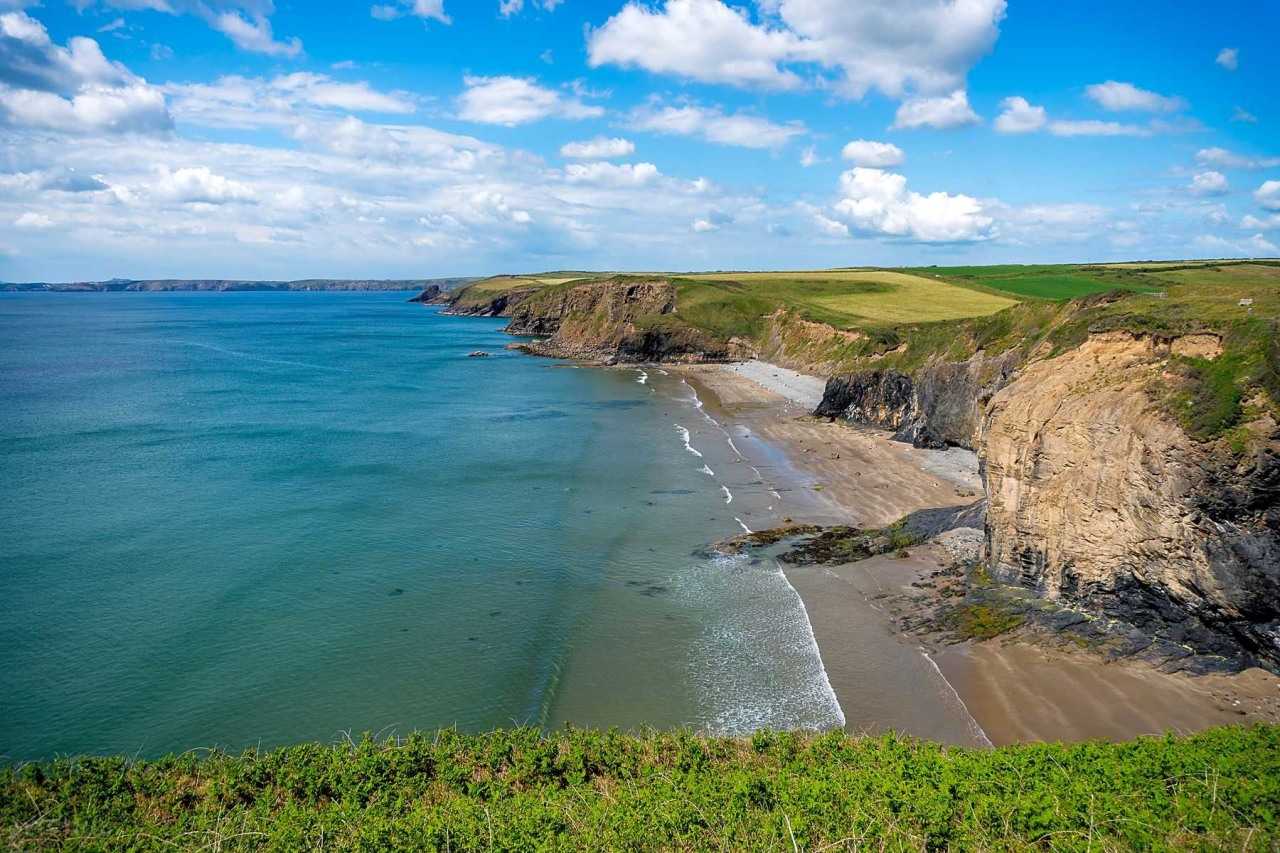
1099, 496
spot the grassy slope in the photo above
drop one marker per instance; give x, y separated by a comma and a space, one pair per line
951, 313
519, 789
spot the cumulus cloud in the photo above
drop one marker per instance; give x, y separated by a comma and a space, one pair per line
1268, 195
1209, 183
704, 226
612, 174
599, 148
942, 113
517, 100
699, 39
73, 89
33, 220
865, 152
909, 46
875, 201
425, 9
198, 184
1224, 159
809, 157
1263, 223
1018, 115
714, 125
1229, 58
1126, 97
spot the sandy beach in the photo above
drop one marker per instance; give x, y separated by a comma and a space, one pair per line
996, 692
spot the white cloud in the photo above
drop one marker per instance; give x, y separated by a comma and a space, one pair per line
1268, 195
245, 22
426, 9
865, 152
517, 100
714, 125
1243, 115
1267, 223
1120, 97
612, 174
878, 202
1209, 183
1224, 159
1092, 127
73, 89
1251, 247
704, 226
599, 148
254, 34
198, 184
507, 8
287, 102
699, 39
33, 220
1018, 115
909, 46
943, 112
809, 157
1229, 58
322, 91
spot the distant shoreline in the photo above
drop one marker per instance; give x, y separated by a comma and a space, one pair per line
227, 285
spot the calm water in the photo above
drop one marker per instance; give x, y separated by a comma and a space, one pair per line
233, 519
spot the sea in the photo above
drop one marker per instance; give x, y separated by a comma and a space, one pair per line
242, 520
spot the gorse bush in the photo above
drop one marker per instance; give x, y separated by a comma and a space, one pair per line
521, 789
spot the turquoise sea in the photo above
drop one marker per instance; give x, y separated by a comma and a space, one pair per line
254, 519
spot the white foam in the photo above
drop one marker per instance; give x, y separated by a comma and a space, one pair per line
742, 524
706, 469
728, 495
643, 377
734, 446
973, 723
684, 433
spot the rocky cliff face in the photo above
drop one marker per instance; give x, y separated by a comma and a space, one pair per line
940, 406
500, 305
1097, 498
612, 321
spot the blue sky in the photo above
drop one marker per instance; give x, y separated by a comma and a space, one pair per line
242, 138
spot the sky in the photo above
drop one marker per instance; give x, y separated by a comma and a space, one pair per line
423, 138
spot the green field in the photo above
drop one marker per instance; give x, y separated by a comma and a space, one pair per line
1057, 281
852, 299
585, 790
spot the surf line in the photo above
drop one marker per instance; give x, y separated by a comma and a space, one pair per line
643, 378
974, 726
813, 643
684, 433
728, 496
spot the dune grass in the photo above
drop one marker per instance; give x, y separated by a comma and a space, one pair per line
521, 789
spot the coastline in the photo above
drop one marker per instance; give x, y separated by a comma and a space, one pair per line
974, 693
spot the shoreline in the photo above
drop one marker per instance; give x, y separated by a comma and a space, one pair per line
997, 692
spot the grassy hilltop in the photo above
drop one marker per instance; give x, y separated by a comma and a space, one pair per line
903, 319
582, 790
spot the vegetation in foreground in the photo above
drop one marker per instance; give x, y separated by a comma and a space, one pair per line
521, 789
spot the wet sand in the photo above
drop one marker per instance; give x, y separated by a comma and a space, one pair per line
996, 692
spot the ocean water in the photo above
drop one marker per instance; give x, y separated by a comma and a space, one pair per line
256, 519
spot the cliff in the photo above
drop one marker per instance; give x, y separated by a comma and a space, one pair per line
619, 319
1100, 498
1114, 484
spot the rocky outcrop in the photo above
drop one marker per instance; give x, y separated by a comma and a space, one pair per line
613, 320
939, 406
432, 294
501, 304
1098, 498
